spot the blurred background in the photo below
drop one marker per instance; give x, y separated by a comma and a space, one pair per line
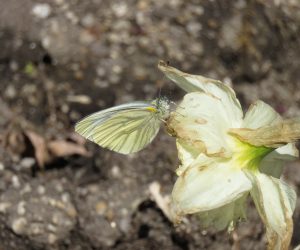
63, 59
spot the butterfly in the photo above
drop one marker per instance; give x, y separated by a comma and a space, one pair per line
127, 128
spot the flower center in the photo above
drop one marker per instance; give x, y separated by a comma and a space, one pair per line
246, 155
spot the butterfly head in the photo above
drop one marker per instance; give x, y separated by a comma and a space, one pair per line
162, 106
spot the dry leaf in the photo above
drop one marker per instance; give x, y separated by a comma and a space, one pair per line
77, 138
61, 148
40, 147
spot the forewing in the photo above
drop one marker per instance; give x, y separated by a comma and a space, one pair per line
125, 129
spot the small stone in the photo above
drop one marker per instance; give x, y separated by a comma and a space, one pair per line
194, 28
21, 208
4, 206
41, 189
196, 48
59, 188
14, 66
101, 207
88, 20
204, 232
115, 171
120, 9
101, 71
72, 17
117, 69
86, 37
198, 10
41, 10
124, 224
101, 84
114, 79
230, 33
56, 218
27, 162
52, 228
113, 224
10, 92
19, 225
65, 108
2, 167
36, 229
15, 181
46, 41
65, 197
52, 238
59, 2
27, 188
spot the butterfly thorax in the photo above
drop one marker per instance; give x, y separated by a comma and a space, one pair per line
162, 106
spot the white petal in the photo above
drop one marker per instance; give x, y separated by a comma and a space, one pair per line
202, 120
225, 216
203, 188
260, 114
273, 163
190, 156
275, 202
186, 154
196, 83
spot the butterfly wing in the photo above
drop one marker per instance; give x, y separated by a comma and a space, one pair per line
126, 129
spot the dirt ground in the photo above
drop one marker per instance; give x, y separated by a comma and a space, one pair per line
63, 59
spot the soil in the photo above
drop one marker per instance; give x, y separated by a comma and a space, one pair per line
61, 60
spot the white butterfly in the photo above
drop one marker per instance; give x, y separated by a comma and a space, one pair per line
126, 128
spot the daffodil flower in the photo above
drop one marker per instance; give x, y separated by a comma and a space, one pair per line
227, 156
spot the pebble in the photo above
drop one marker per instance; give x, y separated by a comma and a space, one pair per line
52, 238
21, 208
15, 181
59, 2
101, 207
124, 224
10, 92
72, 17
113, 224
120, 9
88, 20
115, 171
36, 229
41, 10
27, 188
27, 162
41, 189
14, 66
2, 167
86, 37
4, 206
52, 228
101, 84
56, 218
59, 188
101, 71
19, 225
65, 197
230, 33
194, 28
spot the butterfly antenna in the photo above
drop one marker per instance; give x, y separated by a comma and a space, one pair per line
159, 93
